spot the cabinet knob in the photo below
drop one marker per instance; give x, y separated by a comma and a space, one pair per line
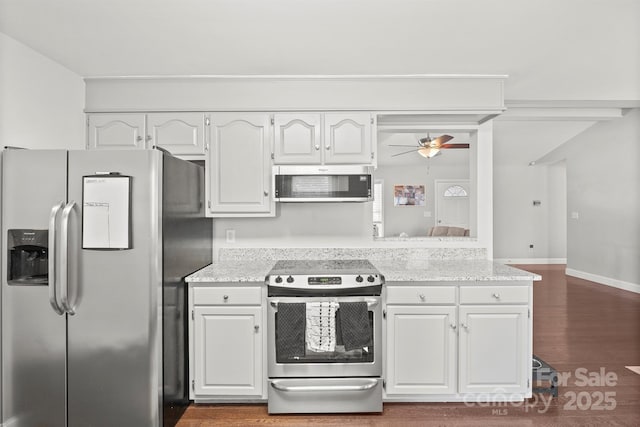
266, 193
422, 297
317, 147
328, 147
464, 326
496, 296
454, 327
257, 328
138, 138
148, 138
225, 297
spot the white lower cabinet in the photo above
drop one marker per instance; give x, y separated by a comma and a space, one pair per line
493, 349
421, 350
477, 345
226, 343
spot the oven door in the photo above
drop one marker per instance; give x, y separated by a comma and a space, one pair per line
335, 361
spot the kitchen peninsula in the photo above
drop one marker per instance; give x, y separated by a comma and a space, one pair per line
456, 326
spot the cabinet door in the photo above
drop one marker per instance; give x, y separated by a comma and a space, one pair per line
239, 166
178, 133
228, 351
347, 138
115, 131
297, 138
421, 350
494, 355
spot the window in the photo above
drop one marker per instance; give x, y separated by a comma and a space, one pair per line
378, 208
455, 191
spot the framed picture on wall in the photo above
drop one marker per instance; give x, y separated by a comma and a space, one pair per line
408, 195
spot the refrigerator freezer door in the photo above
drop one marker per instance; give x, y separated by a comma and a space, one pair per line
115, 335
33, 335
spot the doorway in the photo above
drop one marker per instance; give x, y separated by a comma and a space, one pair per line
452, 203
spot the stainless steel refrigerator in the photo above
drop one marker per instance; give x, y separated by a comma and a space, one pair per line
95, 248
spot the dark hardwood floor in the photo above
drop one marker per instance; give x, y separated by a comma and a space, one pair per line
583, 329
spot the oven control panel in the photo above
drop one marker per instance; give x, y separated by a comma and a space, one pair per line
324, 280
316, 281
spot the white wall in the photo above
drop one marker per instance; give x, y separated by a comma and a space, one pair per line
41, 102
411, 219
603, 188
518, 223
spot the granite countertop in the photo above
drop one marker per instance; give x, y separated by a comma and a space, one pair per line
232, 271
455, 270
393, 271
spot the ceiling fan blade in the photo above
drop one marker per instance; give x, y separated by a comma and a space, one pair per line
442, 139
406, 152
396, 145
454, 146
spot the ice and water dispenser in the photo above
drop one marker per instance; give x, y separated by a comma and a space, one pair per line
28, 256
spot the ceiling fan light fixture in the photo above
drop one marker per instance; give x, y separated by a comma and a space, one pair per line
428, 152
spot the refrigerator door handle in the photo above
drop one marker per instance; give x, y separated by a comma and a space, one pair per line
65, 258
53, 294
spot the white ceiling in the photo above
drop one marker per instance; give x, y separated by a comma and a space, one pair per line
581, 51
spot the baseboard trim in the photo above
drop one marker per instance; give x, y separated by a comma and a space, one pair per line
615, 283
531, 260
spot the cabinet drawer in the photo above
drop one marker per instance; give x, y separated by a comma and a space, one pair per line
494, 294
421, 295
227, 296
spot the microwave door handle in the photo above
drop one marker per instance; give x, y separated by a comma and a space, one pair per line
52, 283
65, 258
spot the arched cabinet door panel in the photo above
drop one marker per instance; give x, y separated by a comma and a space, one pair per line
239, 165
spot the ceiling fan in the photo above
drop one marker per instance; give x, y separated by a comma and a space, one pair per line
428, 147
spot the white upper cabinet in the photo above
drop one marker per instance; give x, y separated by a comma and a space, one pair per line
178, 133
297, 138
324, 138
348, 138
116, 131
182, 134
239, 165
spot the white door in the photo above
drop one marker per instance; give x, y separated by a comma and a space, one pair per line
347, 138
228, 351
115, 131
239, 168
178, 133
452, 203
421, 350
297, 138
493, 342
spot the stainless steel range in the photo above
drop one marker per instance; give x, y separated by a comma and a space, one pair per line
325, 336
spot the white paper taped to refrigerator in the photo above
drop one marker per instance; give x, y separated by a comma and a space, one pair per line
106, 208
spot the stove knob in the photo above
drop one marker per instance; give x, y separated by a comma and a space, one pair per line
289, 279
370, 279
359, 279
278, 279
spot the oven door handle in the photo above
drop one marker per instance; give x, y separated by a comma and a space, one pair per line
366, 385
370, 303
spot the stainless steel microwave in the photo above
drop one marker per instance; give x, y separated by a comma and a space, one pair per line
336, 183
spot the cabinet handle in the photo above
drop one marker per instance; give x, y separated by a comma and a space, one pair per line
225, 297
257, 328
496, 296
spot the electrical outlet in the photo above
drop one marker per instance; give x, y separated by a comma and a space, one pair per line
531, 246
231, 235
